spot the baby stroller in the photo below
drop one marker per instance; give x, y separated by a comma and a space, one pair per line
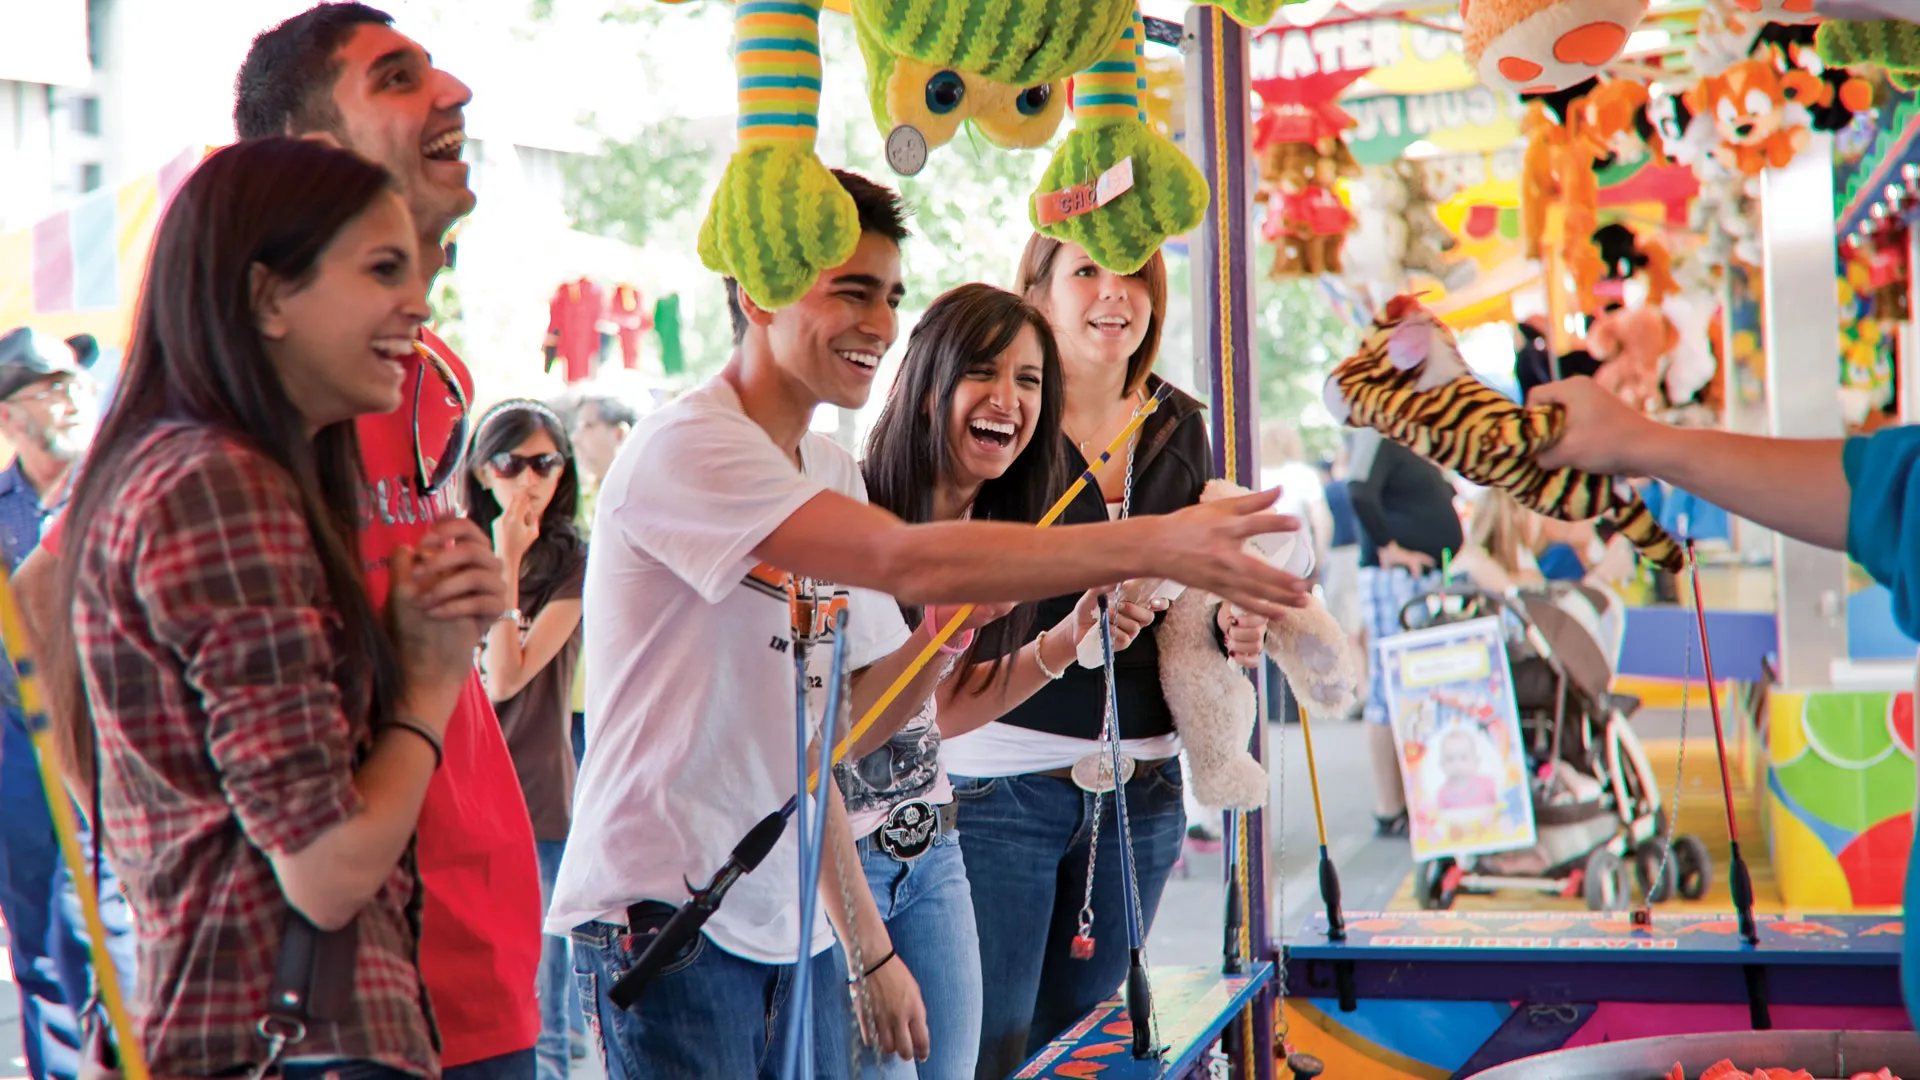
1596, 802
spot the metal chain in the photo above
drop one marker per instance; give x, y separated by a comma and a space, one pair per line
1093, 844
1112, 723
1679, 776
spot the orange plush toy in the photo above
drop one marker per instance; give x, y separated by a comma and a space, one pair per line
1757, 113
1540, 46
1778, 11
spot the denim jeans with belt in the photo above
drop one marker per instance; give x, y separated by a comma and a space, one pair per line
1027, 840
928, 910
709, 1014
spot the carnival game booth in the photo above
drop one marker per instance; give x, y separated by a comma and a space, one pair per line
1814, 746
1660, 138
1639, 167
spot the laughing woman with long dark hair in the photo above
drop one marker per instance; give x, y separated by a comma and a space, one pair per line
971, 430
263, 741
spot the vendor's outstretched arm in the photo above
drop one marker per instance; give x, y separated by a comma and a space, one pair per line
1796, 486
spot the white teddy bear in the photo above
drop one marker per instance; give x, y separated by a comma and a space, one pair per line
1213, 702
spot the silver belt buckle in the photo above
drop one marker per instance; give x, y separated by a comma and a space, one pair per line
909, 831
1095, 771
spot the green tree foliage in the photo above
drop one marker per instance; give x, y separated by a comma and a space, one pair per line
1300, 338
633, 185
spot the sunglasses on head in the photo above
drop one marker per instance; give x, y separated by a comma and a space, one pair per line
512, 465
431, 474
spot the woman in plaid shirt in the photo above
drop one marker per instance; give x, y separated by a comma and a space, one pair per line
263, 742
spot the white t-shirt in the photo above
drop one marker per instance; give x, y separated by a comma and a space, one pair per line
690, 710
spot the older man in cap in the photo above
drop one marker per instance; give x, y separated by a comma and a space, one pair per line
38, 416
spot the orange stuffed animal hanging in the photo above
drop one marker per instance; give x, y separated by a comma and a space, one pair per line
1757, 114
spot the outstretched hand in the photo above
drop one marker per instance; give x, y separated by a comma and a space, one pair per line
1602, 434
1205, 547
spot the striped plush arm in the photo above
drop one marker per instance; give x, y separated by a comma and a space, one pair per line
1168, 197
779, 217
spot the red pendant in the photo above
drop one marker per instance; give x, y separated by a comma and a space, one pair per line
1082, 946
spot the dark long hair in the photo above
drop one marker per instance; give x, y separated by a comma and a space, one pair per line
908, 452
504, 427
196, 358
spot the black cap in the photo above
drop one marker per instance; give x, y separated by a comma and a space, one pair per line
27, 357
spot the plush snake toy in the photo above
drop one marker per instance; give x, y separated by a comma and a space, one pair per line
1409, 383
780, 218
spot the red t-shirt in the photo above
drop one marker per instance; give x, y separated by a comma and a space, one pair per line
480, 933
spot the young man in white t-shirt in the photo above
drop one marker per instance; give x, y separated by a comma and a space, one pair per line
715, 504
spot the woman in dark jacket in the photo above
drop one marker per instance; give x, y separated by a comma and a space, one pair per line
1026, 819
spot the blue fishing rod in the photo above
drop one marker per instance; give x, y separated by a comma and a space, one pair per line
1139, 992
673, 940
799, 1047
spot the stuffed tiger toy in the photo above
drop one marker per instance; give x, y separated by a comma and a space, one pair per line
1409, 383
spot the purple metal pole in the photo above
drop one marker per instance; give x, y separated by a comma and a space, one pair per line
1219, 104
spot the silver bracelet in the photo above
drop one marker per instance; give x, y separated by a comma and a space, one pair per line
1039, 658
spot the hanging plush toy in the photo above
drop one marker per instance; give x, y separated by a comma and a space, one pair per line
932, 66
780, 217
1889, 44
1842, 94
1778, 11
1409, 382
1142, 189
1536, 46
1306, 221
1754, 112
1427, 240
1213, 703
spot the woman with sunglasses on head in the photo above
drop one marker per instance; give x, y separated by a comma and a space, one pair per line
264, 742
523, 489
1023, 810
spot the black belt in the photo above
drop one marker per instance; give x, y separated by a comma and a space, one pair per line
1139, 767
912, 826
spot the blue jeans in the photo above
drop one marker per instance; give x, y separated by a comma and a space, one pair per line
1384, 591
29, 856
709, 1014
1026, 846
554, 986
928, 910
67, 937
518, 1065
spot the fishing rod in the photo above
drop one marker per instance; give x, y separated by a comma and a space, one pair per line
1741, 881
13, 629
1139, 991
673, 938
812, 841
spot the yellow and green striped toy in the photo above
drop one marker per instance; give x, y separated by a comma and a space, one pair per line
1168, 197
779, 217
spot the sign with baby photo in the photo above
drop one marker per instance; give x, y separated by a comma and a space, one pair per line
1457, 729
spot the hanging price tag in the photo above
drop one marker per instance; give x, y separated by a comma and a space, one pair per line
1053, 207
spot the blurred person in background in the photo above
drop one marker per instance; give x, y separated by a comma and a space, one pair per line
39, 378
1408, 529
522, 490
1340, 574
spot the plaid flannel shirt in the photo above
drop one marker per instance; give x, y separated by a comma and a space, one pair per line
206, 638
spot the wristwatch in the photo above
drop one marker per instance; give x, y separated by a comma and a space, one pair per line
511, 615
